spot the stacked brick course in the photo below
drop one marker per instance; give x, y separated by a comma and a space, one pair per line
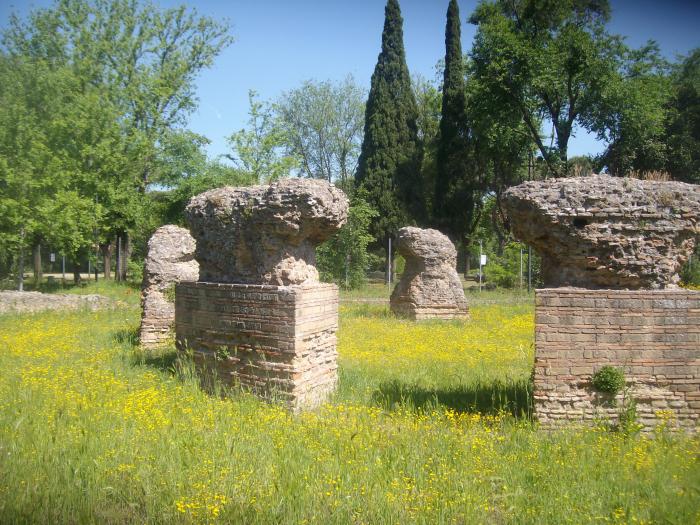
276, 341
654, 335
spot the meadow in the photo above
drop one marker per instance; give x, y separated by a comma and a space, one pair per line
431, 424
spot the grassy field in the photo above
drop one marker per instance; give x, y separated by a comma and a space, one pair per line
431, 424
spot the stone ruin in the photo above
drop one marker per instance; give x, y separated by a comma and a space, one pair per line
611, 252
607, 232
258, 317
170, 259
430, 287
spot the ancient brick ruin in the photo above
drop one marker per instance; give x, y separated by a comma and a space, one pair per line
170, 259
258, 317
612, 249
429, 287
607, 232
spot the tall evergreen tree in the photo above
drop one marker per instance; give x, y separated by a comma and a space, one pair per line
456, 187
388, 173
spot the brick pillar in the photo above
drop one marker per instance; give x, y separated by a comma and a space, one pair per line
278, 342
654, 335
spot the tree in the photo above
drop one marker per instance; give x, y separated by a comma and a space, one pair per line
259, 150
683, 121
553, 60
137, 65
343, 258
389, 164
429, 102
632, 115
323, 128
457, 188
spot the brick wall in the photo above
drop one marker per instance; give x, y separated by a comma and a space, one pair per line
654, 335
277, 341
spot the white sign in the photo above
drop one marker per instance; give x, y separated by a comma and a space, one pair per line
52, 257
483, 260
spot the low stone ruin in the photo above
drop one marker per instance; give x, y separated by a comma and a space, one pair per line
258, 317
21, 302
430, 287
611, 251
170, 259
607, 232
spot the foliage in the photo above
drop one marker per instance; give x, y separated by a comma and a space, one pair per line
94, 93
258, 150
504, 270
690, 273
457, 188
429, 102
632, 118
343, 258
683, 121
323, 128
91, 429
555, 61
389, 164
608, 379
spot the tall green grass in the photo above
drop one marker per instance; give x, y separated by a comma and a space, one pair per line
94, 430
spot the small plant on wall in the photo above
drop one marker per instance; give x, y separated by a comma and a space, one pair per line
611, 380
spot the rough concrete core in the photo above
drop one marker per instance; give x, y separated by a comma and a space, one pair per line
607, 232
430, 287
170, 259
265, 234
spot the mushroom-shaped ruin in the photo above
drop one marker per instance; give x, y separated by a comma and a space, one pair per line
607, 232
258, 317
265, 234
429, 287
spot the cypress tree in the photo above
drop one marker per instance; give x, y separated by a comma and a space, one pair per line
455, 186
388, 172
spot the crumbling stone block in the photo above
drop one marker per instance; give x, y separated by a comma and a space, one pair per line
430, 287
264, 234
170, 259
607, 232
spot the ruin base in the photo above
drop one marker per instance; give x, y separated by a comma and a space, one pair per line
424, 312
278, 342
653, 335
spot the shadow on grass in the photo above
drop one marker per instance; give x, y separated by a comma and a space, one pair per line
487, 399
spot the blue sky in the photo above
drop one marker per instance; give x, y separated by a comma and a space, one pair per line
278, 44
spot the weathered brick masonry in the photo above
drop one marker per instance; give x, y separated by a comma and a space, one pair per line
653, 334
278, 341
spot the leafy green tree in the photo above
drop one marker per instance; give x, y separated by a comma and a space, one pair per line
323, 128
554, 61
134, 67
389, 163
344, 258
683, 121
632, 115
429, 102
259, 150
457, 188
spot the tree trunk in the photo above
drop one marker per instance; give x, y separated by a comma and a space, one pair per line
387, 275
123, 249
20, 262
106, 250
36, 252
467, 262
76, 272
